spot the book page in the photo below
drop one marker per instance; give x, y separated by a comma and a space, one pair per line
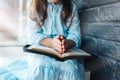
75, 52
45, 49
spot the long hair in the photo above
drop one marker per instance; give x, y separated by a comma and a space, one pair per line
38, 10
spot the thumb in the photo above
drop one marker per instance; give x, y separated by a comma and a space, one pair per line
61, 37
58, 37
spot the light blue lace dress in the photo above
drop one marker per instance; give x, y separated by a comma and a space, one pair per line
40, 67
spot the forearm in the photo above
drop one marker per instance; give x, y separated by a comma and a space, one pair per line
46, 42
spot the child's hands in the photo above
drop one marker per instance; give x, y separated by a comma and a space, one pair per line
57, 44
60, 43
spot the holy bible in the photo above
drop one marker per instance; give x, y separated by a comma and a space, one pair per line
43, 50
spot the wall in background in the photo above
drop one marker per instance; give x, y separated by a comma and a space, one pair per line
100, 26
12, 21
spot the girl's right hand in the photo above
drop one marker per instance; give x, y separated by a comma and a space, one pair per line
56, 43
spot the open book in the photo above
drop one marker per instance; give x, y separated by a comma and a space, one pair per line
70, 53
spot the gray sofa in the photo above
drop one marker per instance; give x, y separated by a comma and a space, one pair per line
100, 26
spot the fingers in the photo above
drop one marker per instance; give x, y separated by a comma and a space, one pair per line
60, 37
59, 43
64, 47
56, 43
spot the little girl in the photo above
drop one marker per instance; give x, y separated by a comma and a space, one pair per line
52, 23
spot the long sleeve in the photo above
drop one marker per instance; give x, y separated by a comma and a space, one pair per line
34, 32
74, 30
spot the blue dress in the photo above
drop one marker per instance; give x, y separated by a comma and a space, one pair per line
41, 67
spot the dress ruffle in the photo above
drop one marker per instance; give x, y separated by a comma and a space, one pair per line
39, 69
